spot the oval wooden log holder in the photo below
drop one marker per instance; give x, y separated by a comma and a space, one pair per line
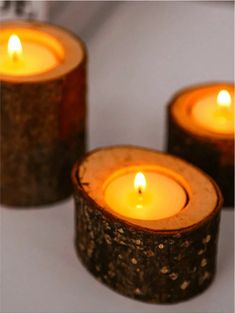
42, 123
162, 261
213, 153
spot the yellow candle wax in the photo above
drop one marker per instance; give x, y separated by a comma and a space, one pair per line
215, 112
27, 52
147, 195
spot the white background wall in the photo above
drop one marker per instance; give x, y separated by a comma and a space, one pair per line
140, 54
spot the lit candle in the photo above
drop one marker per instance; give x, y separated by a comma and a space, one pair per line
144, 195
43, 108
201, 130
215, 112
143, 216
28, 52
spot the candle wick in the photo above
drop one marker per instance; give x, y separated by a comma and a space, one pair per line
14, 57
140, 195
224, 112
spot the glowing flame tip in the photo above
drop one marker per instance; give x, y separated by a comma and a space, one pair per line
224, 99
14, 47
140, 182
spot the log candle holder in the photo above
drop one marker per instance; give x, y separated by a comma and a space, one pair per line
162, 260
209, 144
43, 107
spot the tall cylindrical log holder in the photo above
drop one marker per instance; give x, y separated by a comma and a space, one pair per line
43, 119
159, 261
210, 151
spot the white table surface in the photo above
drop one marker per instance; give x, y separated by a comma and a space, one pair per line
140, 55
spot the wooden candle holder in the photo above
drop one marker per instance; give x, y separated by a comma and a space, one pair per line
42, 121
161, 261
212, 152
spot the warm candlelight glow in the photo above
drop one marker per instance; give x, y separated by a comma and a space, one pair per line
28, 52
224, 99
140, 183
214, 112
14, 47
144, 195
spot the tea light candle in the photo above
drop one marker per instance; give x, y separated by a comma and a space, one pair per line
201, 130
215, 112
43, 90
145, 195
146, 223
32, 56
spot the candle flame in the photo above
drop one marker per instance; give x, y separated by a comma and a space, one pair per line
140, 183
224, 99
14, 47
